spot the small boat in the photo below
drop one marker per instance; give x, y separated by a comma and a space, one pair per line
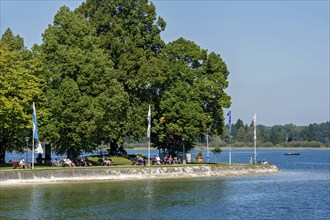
292, 153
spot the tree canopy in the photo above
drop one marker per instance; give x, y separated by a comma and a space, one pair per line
19, 87
192, 97
98, 69
86, 100
101, 66
129, 32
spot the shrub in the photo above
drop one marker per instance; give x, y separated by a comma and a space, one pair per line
139, 154
217, 150
199, 155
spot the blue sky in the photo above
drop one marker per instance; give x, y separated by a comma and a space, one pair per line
277, 52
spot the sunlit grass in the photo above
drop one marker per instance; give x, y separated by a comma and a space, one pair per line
115, 160
119, 162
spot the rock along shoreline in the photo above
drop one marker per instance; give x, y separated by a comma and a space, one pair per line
118, 173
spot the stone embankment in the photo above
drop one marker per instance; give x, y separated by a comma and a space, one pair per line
117, 173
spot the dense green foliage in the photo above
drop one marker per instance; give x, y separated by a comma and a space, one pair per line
192, 98
313, 135
86, 101
19, 87
129, 33
101, 66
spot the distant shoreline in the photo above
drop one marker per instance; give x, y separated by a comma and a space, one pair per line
247, 148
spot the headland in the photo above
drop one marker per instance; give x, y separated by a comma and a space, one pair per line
129, 173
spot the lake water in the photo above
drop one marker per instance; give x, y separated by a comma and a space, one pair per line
300, 191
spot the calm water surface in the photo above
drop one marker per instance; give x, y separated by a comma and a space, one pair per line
300, 191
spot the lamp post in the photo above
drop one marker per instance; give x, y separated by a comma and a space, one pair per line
184, 153
27, 148
207, 144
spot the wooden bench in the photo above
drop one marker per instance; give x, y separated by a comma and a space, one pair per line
23, 166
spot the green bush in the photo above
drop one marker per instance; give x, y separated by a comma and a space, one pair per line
217, 150
199, 155
139, 154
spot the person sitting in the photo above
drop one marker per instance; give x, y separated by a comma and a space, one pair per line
102, 160
82, 162
87, 161
158, 160
21, 164
165, 161
176, 160
138, 161
107, 162
154, 161
134, 161
68, 163
170, 160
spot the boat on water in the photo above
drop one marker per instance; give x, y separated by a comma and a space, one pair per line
292, 153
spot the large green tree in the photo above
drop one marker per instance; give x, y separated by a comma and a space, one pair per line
129, 32
19, 87
86, 101
192, 98
117, 44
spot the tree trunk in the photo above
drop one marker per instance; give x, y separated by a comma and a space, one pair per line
113, 148
72, 154
2, 155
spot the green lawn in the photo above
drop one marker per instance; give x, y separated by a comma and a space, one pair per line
117, 162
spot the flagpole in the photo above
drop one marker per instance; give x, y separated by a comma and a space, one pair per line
207, 147
149, 134
230, 137
255, 138
33, 152
33, 128
230, 151
255, 152
149, 152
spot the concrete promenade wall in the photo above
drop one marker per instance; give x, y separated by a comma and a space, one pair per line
136, 172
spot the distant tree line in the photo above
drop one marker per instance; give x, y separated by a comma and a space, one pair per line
289, 135
95, 74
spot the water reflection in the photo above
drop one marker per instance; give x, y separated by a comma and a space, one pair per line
132, 199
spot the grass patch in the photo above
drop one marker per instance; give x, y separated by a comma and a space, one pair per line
119, 162
115, 160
